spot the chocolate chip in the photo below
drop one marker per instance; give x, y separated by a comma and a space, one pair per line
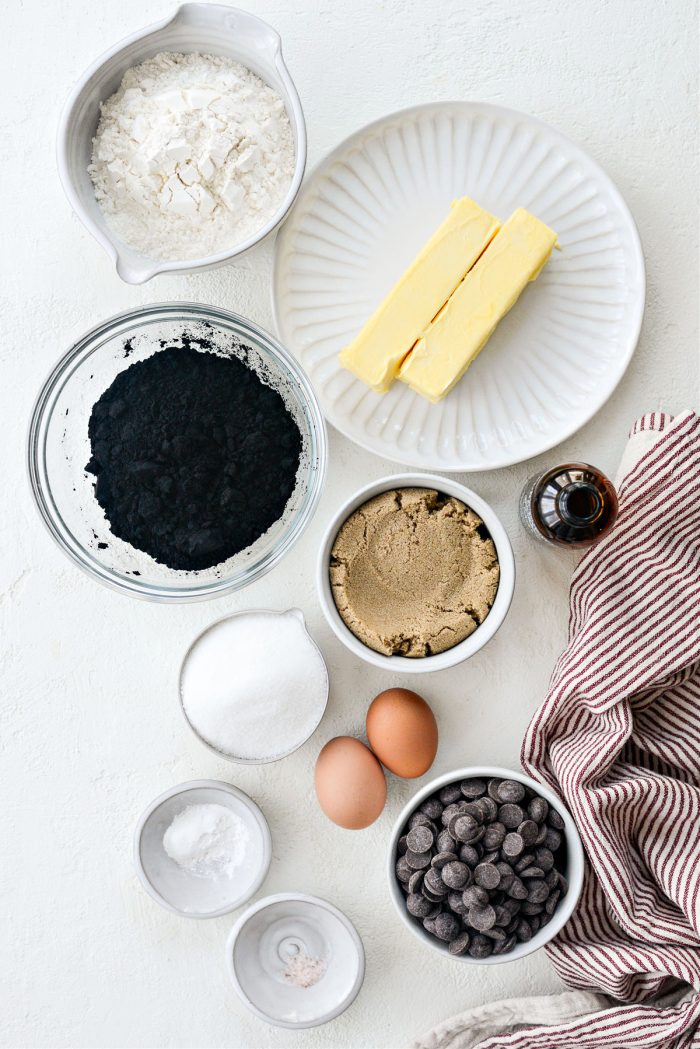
544, 858
464, 828
537, 891
469, 854
457, 904
475, 896
494, 835
448, 814
432, 808
495, 934
517, 890
403, 871
441, 858
563, 884
434, 883
480, 946
460, 945
482, 918
532, 872
526, 860
510, 791
528, 831
429, 925
444, 841
529, 907
456, 874
417, 860
511, 816
473, 788
487, 876
434, 897
555, 820
489, 809
552, 901
450, 793
447, 927
552, 840
492, 788
420, 839
402, 846
417, 905
419, 819
542, 834
535, 924
415, 882
552, 879
513, 845
523, 932
537, 810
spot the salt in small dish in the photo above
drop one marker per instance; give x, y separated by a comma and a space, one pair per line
179, 891
276, 929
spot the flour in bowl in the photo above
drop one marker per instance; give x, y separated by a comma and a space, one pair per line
193, 154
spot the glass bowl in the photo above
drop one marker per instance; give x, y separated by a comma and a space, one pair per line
58, 450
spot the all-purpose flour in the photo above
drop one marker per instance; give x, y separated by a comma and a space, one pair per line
193, 154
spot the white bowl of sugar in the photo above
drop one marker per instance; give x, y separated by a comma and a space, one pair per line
254, 685
230, 36
202, 848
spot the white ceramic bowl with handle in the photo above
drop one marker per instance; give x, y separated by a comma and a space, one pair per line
573, 871
483, 633
205, 28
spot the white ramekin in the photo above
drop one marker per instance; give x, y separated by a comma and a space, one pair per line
471, 644
573, 872
205, 28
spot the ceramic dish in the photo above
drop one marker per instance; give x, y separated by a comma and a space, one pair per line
58, 450
271, 932
176, 889
296, 744
205, 28
458, 653
363, 215
573, 871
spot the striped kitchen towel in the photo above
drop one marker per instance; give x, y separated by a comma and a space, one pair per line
618, 738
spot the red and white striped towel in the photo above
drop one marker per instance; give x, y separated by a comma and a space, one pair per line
618, 737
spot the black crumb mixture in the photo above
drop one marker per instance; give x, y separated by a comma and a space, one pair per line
195, 457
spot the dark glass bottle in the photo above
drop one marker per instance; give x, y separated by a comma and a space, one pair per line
570, 505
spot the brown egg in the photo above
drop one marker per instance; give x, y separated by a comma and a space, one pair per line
402, 732
350, 784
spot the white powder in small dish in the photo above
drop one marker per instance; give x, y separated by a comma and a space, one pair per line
254, 685
193, 154
209, 841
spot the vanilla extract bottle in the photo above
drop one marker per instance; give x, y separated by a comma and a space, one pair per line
572, 505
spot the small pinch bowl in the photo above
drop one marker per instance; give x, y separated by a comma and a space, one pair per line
204, 28
573, 872
270, 932
483, 633
175, 889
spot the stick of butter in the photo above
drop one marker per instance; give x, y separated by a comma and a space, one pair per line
375, 355
442, 355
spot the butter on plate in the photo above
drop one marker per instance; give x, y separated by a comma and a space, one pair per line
515, 256
376, 353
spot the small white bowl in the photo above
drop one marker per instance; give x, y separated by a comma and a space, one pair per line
573, 872
297, 744
458, 653
174, 888
268, 934
205, 28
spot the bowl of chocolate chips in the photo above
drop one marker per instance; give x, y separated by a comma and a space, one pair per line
176, 452
485, 865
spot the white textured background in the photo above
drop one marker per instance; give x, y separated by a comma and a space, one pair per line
90, 728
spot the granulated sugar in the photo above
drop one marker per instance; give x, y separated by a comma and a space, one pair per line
193, 154
254, 685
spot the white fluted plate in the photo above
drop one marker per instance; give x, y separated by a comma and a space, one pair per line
363, 215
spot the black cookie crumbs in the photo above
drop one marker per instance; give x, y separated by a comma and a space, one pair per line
195, 457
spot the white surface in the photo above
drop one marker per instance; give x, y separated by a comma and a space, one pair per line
366, 212
90, 728
471, 644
